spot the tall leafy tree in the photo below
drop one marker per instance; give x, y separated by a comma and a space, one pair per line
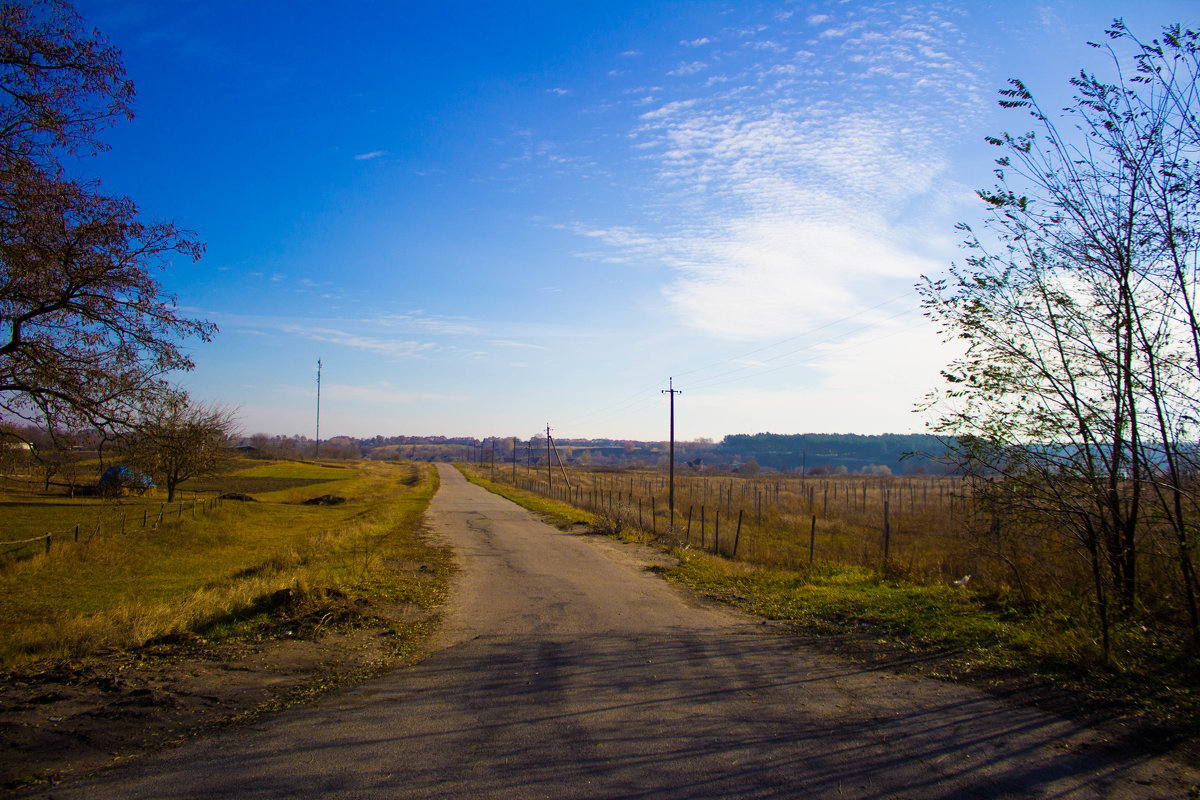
87, 333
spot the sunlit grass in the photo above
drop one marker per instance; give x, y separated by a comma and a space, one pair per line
560, 514
119, 590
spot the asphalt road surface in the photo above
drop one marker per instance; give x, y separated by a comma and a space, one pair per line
567, 670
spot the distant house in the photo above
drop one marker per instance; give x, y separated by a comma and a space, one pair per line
119, 479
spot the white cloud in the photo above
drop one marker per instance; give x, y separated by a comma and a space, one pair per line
867, 382
766, 278
690, 68
371, 155
669, 109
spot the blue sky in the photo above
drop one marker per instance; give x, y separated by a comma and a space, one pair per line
484, 218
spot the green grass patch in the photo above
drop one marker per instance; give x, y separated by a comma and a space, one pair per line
198, 574
279, 481
561, 515
973, 635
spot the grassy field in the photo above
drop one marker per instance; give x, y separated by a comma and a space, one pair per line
30, 512
207, 568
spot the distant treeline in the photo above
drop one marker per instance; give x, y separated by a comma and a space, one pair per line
836, 452
812, 452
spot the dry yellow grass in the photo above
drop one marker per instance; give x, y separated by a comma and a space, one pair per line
118, 590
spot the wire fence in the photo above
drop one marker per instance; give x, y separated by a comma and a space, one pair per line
790, 520
167, 514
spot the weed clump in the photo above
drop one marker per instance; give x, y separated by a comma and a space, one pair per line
325, 500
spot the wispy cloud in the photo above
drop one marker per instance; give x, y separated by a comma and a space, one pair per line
690, 68
391, 348
380, 394
371, 155
427, 323
784, 192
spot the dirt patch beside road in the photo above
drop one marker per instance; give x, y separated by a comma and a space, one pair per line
70, 720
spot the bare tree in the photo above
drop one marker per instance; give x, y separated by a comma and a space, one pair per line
178, 440
1076, 307
57, 454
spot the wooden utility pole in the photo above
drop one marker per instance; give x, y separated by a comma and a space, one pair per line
549, 461
558, 458
672, 391
317, 450
514, 461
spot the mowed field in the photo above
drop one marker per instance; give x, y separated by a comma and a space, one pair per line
121, 571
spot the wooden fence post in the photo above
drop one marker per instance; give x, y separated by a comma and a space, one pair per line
887, 533
737, 535
812, 541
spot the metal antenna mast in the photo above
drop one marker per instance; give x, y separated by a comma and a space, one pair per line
317, 452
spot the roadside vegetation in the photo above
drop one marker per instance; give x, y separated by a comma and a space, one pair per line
208, 569
916, 606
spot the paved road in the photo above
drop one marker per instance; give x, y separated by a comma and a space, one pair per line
566, 670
